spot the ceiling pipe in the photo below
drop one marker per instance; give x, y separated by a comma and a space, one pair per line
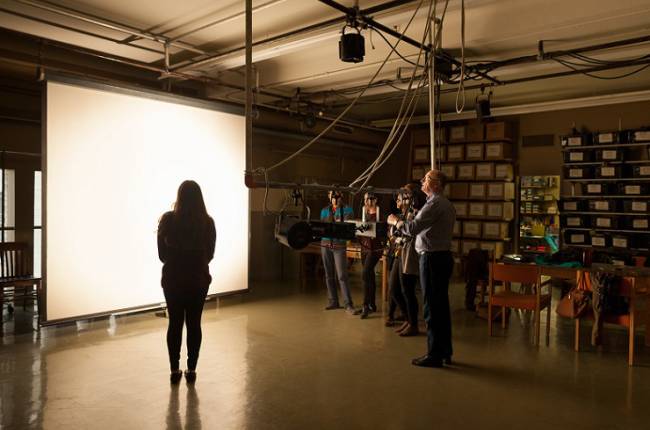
112, 25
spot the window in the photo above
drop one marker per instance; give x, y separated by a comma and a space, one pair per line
38, 230
8, 213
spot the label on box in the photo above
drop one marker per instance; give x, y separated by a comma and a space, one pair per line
477, 209
575, 173
604, 222
577, 238
448, 171
594, 188
574, 141
489, 246
641, 135
606, 138
421, 154
640, 206
477, 190
455, 153
573, 222
493, 150
495, 190
576, 156
570, 206
598, 241
491, 229
644, 170
619, 242
474, 151
607, 171
461, 209
484, 170
457, 133
640, 223
466, 171
601, 205
616, 262
609, 154
633, 189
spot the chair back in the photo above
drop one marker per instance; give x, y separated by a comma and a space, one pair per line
524, 274
15, 261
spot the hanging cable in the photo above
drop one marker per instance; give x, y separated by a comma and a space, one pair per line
460, 95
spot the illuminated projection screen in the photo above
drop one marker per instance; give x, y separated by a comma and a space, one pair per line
113, 163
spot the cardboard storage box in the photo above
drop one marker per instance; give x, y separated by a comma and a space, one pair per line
449, 170
484, 171
633, 190
474, 151
608, 172
476, 209
455, 152
641, 171
603, 205
606, 138
496, 230
457, 133
604, 222
620, 241
475, 131
499, 130
595, 189
441, 152
455, 246
458, 190
639, 223
471, 229
417, 173
421, 154
578, 172
636, 206
577, 156
498, 151
609, 155
465, 171
457, 228
576, 237
575, 221
461, 208
640, 136
466, 245
501, 191
600, 240
572, 141
494, 248
503, 171
477, 191
500, 210
572, 205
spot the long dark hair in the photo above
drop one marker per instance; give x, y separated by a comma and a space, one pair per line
190, 215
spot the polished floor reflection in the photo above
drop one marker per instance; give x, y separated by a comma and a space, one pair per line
273, 359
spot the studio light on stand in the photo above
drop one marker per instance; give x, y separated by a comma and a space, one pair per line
352, 46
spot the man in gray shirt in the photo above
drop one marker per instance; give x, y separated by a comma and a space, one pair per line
432, 228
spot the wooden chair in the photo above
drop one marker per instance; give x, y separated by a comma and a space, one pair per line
637, 290
535, 301
16, 273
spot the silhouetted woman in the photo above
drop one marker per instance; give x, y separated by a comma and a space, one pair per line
186, 240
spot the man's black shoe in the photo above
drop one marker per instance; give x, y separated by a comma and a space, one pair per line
447, 360
331, 307
427, 361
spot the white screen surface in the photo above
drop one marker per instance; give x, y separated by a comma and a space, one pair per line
113, 165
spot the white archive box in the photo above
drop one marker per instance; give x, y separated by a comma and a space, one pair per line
501, 191
477, 209
472, 229
484, 171
477, 191
496, 230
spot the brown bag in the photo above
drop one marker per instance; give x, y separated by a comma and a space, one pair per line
577, 302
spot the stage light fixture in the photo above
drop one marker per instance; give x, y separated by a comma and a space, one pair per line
352, 45
483, 104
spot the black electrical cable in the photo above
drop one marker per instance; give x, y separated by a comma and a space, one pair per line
607, 78
396, 51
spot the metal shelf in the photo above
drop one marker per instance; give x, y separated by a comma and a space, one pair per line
610, 230
608, 180
500, 160
615, 196
538, 213
604, 213
608, 249
613, 145
596, 163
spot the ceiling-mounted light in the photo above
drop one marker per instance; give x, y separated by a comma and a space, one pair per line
352, 46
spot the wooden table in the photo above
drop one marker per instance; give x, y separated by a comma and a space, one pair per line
352, 251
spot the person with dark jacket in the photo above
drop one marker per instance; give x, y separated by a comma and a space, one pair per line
371, 251
186, 242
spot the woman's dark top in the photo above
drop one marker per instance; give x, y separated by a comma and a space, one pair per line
185, 249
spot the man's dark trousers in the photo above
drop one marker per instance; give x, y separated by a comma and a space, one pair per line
435, 272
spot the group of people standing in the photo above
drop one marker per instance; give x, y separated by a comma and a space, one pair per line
420, 244
421, 233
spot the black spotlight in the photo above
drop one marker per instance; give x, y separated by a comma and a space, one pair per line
352, 46
483, 105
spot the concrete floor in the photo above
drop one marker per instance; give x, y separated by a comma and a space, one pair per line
273, 359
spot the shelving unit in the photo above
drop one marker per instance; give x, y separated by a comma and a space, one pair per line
481, 182
616, 222
538, 213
